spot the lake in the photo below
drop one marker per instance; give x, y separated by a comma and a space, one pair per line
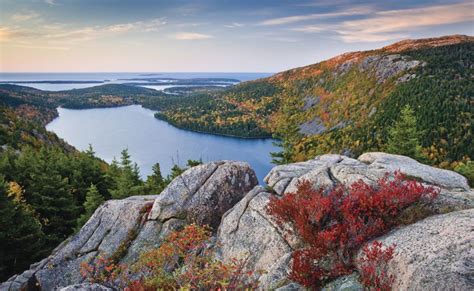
149, 140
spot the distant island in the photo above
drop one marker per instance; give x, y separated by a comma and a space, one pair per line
54, 82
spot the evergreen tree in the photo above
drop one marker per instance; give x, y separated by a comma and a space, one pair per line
193, 163
175, 172
53, 201
93, 200
404, 138
128, 182
130, 169
21, 238
85, 169
47, 190
155, 182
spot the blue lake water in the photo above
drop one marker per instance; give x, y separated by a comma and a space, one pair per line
149, 140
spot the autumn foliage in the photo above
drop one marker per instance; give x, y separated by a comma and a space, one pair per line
336, 224
182, 261
104, 271
373, 266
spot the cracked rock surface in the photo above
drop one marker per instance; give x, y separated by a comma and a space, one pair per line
432, 254
201, 194
247, 231
436, 253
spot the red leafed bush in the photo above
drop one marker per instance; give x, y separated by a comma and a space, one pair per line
103, 271
373, 266
183, 262
336, 224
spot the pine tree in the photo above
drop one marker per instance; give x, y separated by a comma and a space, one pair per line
128, 181
48, 191
93, 200
193, 163
21, 238
175, 172
54, 202
404, 138
155, 182
288, 135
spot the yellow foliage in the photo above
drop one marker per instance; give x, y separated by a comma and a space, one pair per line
16, 192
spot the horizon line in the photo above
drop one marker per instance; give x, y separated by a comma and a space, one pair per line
143, 72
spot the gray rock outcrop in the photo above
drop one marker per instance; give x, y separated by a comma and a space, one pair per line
387, 66
328, 170
436, 253
345, 283
408, 166
86, 287
247, 231
125, 228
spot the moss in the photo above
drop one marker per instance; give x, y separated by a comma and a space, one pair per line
415, 213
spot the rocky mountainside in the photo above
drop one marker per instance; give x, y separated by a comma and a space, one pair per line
432, 254
346, 104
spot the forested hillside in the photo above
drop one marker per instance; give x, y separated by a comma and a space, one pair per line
347, 104
343, 105
108, 95
48, 189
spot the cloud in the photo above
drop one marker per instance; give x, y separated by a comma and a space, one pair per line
20, 17
395, 24
298, 18
320, 3
5, 34
50, 2
312, 28
55, 35
191, 36
234, 25
58, 48
59, 32
9, 34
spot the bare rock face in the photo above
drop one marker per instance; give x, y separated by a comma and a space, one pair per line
125, 228
387, 66
432, 254
443, 178
110, 225
345, 283
327, 171
86, 287
312, 127
436, 253
204, 193
248, 233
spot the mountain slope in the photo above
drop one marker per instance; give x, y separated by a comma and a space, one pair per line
346, 104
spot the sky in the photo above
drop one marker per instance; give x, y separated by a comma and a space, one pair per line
210, 35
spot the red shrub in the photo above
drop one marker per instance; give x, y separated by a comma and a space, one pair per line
373, 267
183, 262
336, 224
103, 271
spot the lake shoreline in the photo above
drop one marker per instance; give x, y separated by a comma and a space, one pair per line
173, 124
149, 140
215, 133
